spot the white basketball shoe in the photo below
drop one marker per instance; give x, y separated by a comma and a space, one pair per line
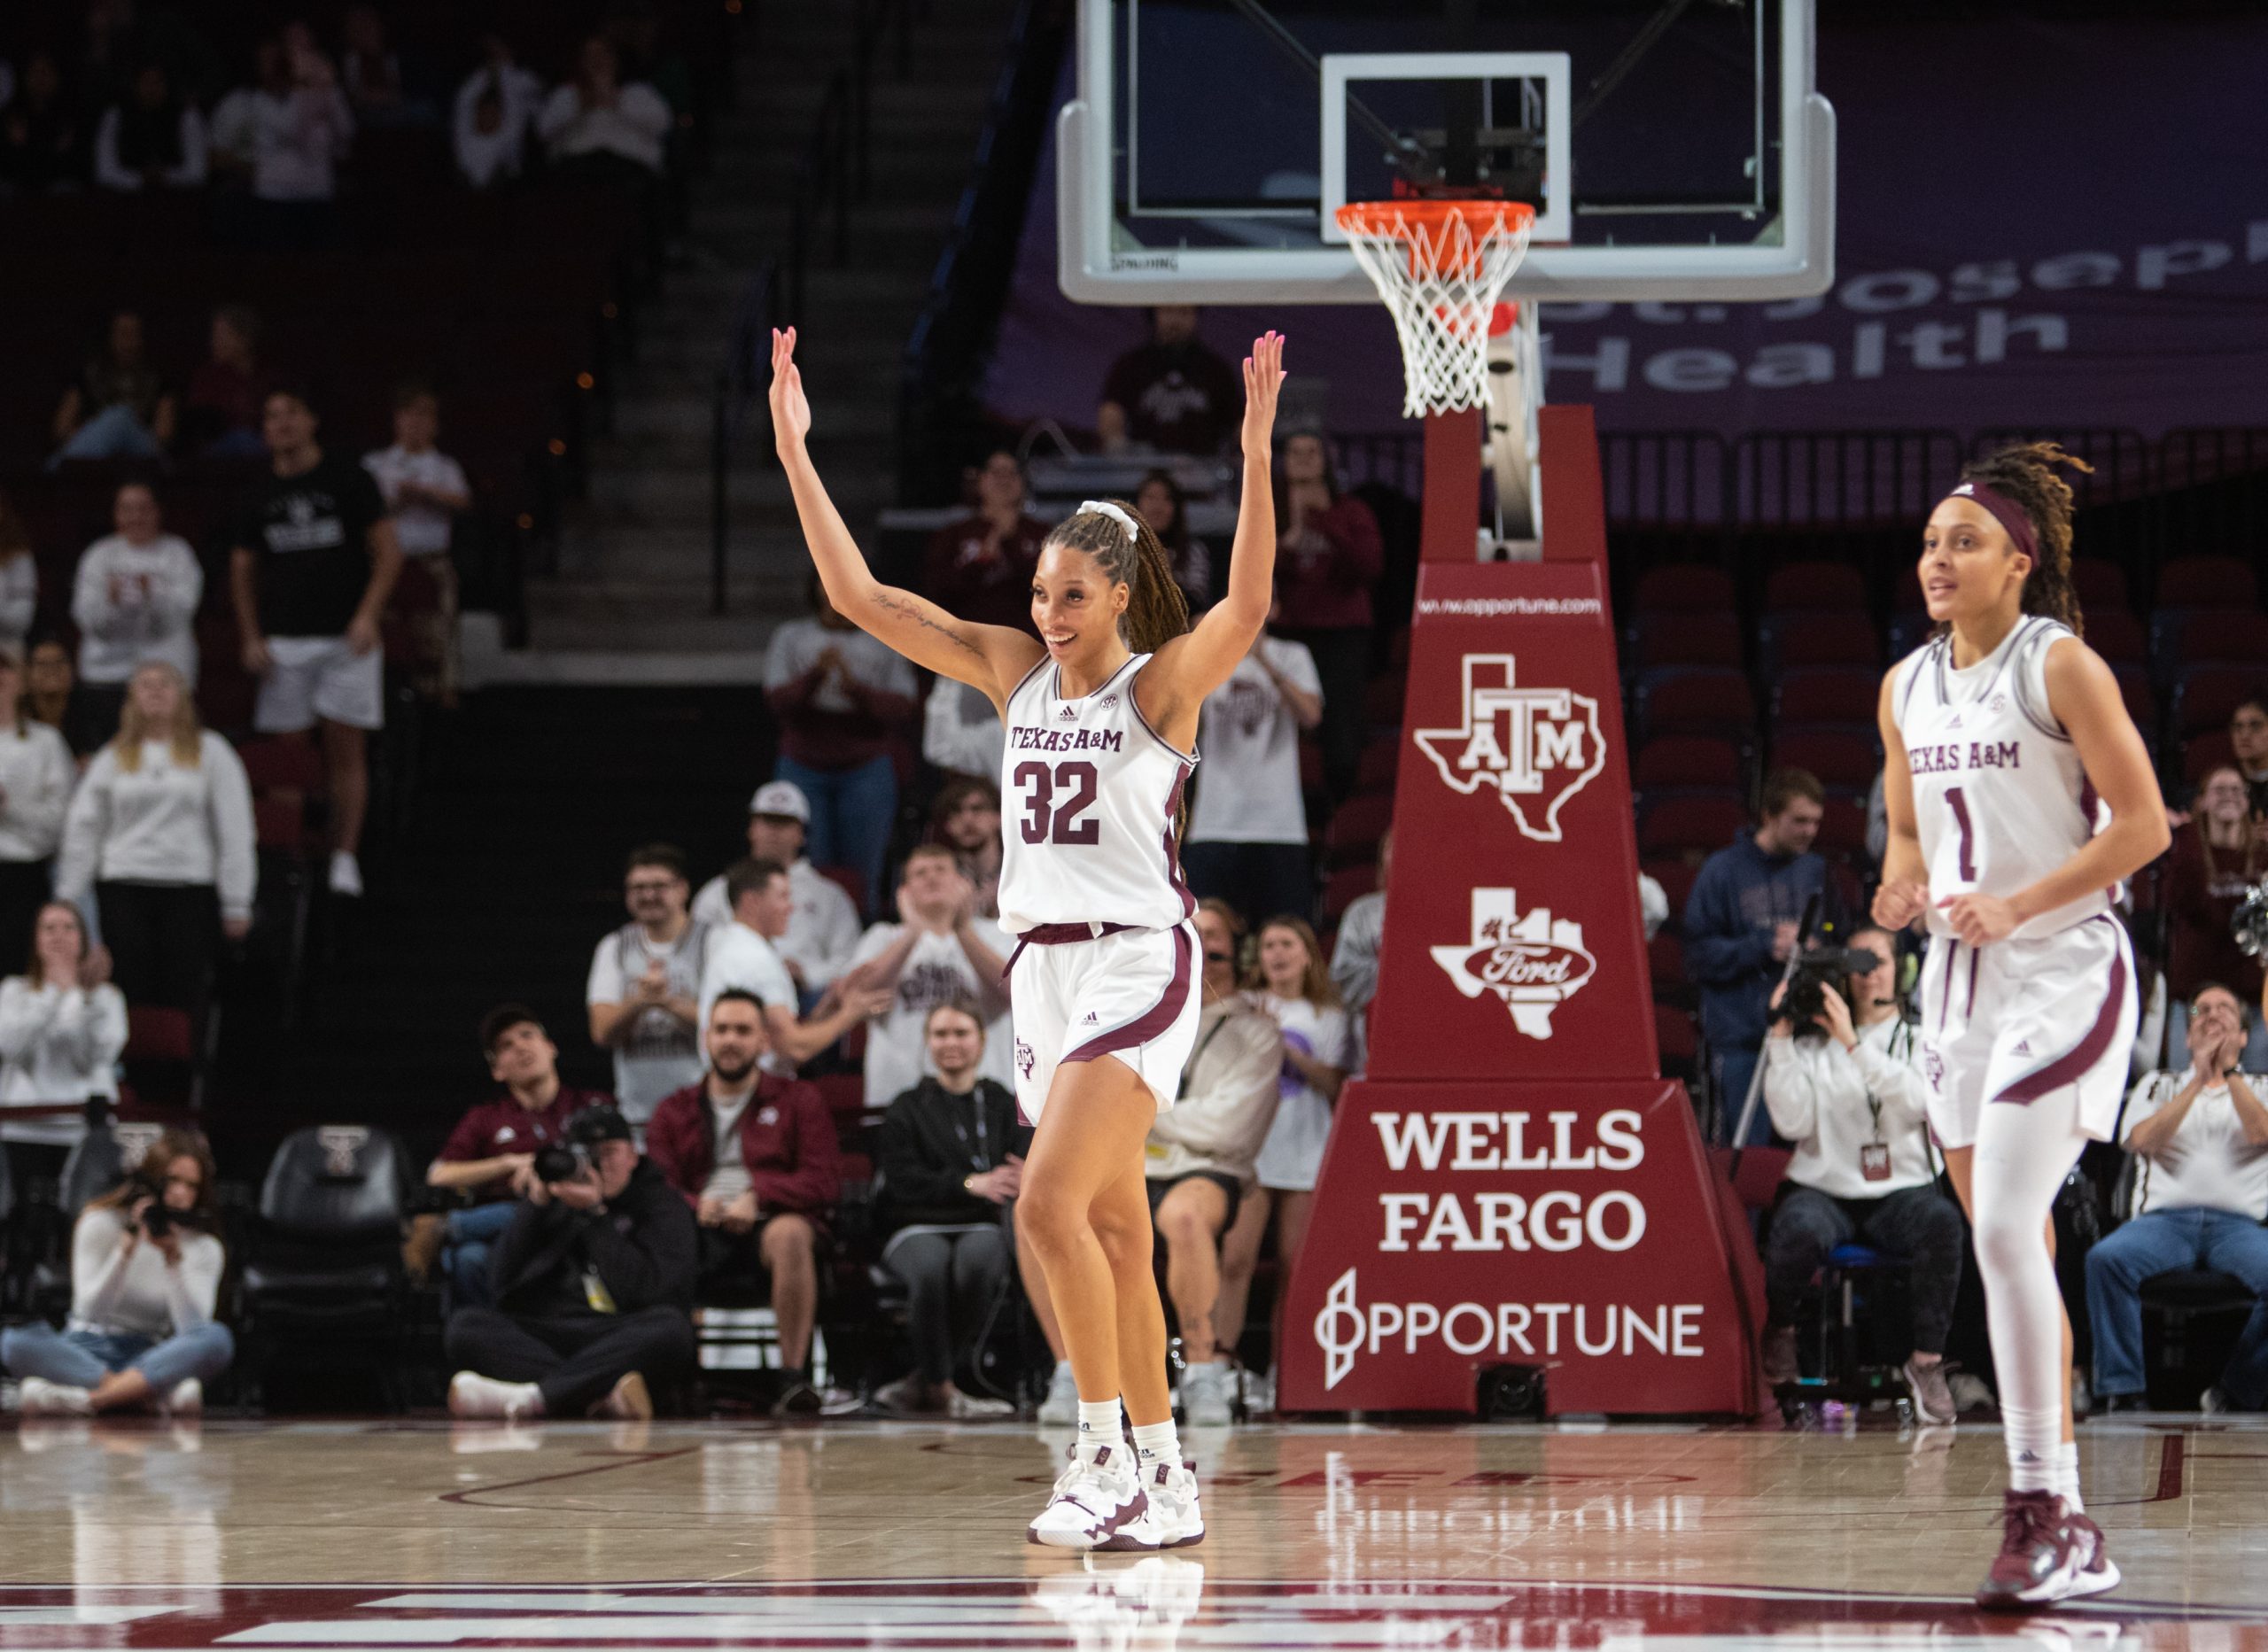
1096, 1498
1172, 1518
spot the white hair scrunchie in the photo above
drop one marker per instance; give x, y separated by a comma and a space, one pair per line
1117, 513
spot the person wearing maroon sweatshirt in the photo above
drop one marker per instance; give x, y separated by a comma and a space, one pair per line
980, 567
1329, 558
754, 1155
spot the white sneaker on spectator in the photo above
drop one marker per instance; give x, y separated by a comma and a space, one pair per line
1205, 1395
38, 1397
970, 1407
186, 1397
1259, 1394
1933, 1405
1097, 1497
345, 874
1060, 1409
2213, 1402
473, 1395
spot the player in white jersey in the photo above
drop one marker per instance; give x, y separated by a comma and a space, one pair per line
2019, 797
1101, 714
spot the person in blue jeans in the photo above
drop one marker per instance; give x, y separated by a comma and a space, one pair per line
144, 1270
843, 699
2201, 1192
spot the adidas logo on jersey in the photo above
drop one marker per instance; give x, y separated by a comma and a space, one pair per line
1954, 721
2023, 1047
1069, 714
1090, 1020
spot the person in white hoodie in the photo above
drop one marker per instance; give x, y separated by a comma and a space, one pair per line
144, 1271
135, 597
161, 834
1848, 1090
62, 1028
36, 774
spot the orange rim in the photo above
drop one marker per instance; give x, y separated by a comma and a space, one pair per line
1390, 220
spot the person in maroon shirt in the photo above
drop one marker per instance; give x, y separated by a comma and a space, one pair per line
980, 566
491, 1153
1329, 558
1172, 394
2215, 860
223, 412
755, 1156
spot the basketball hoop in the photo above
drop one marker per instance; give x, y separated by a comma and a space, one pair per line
1440, 266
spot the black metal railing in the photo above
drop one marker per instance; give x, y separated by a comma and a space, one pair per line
740, 386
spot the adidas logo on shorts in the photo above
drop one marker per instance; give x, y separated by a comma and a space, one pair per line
1090, 1022
2023, 1047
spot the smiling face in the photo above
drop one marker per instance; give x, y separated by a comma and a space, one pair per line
956, 1042
2222, 798
1076, 607
1284, 961
1969, 567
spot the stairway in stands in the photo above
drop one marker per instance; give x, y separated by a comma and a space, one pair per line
498, 886
634, 569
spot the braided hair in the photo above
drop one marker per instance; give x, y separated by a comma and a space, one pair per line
1156, 611
2026, 473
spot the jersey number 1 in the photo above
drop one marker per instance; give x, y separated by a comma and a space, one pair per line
1960, 807
1078, 781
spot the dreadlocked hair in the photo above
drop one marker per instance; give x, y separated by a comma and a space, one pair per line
2026, 473
1156, 611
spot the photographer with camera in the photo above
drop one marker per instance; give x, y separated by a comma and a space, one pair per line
594, 1284
1843, 1079
144, 1269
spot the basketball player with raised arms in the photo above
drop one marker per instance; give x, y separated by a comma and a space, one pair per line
1101, 717
2020, 798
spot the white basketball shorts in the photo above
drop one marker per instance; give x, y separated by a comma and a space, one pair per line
320, 677
2007, 1024
1132, 994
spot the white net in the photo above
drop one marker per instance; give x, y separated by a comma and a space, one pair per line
1442, 278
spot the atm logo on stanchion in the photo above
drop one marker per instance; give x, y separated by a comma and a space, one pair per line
1535, 748
1533, 962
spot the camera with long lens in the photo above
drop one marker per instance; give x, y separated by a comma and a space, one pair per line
157, 1220
1815, 971
561, 1162
2248, 924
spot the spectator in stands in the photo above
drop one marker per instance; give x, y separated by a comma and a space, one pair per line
221, 414
644, 991
286, 134
62, 1028
753, 1155
949, 1159
823, 927
1653, 904
1172, 395
371, 70
1330, 558
602, 130
595, 1282
313, 560
161, 833
135, 599
145, 1269
1847, 1088
1292, 987
1248, 832
56, 699
2217, 859
1355, 955
961, 730
489, 1156
980, 567
1202, 1154
495, 109
842, 699
37, 776
120, 409
1166, 508
744, 957
2201, 1192
1741, 923
426, 490
121, 37
938, 951
19, 580
2249, 738
42, 141
152, 139
966, 818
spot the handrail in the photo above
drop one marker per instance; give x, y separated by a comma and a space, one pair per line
747, 357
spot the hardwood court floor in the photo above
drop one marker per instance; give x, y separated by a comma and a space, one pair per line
850, 1534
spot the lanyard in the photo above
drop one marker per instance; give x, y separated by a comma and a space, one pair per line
981, 1153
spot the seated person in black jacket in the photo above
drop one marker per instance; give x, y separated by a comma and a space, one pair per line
949, 1158
593, 1282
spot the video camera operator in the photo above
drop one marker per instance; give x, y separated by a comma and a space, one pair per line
594, 1280
1844, 1081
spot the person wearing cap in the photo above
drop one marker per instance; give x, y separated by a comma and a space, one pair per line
823, 927
594, 1283
489, 1155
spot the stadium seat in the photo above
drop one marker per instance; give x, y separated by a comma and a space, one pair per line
2215, 582
1382, 700
1685, 588
1355, 827
1665, 966
2182, 639
2098, 583
2207, 696
2116, 634
2204, 752
1826, 697
847, 880
1677, 1042
1843, 828
1685, 761
1381, 761
1676, 875
1841, 761
1694, 825
1697, 700
1792, 640
1660, 638
1815, 587
1344, 886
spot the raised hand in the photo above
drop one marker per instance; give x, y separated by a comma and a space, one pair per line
1263, 379
791, 411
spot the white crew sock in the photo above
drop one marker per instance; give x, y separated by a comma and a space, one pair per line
2066, 1476
1099, 1424
1157, 1442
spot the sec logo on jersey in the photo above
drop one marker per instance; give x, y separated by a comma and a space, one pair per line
1535, 748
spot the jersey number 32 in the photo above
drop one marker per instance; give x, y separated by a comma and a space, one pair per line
1046, 818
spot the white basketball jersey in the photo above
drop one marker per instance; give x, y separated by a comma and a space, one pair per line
1088, 795
1999, 794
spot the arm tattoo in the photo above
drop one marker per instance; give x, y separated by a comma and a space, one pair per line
908, 610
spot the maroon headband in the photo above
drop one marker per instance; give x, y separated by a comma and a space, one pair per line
2005, 511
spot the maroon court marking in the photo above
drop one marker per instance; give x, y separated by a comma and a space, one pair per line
629, 1460
2169, 1468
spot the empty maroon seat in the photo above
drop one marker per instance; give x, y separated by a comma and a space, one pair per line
1814, 587
283, 763
1676, 875
1700, 700
2217, 582
1345, 886
1838, 760
1666, 960
1355, 827
2205, 752
1842, 827
1685, 588
1686, 760
153, 1033
844, 1092
2100, 583
2115, 634
1381, 760
1659, 640
2207, 696
1692, 826
1796, 640
1827, 695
